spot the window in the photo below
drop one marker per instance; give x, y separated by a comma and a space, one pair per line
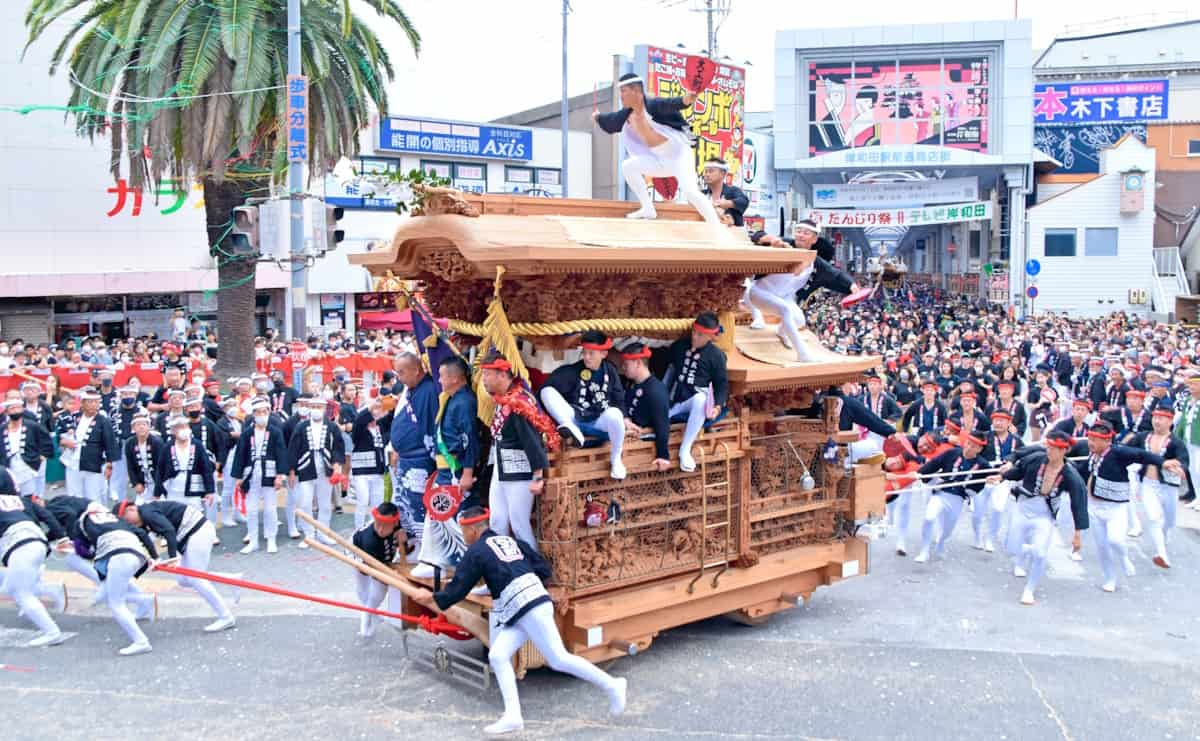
1100, 242
437, 169
1060, 243
974, 237
1194, 147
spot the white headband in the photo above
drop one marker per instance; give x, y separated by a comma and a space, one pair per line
808, 227
718, 165
628, 81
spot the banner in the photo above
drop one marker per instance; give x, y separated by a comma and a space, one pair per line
901, 193
1078, 148
1100, 102
717, 116
948, 214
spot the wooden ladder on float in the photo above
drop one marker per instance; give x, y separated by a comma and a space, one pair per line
706, 526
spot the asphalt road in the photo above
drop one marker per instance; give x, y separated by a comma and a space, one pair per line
940, 651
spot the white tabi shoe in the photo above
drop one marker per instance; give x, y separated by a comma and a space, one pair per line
642, 213
505, 725
422, 571
616, 697
758, 323
1076, 556
618, 471
134, 649
922, 557
989, 546
220, 624
1109, 586
1020, 572
1134, 532
900, 549
246, 539
687, 463
978, 544
294, 534
302, 545
251, 548
48, 639
1027, 597
271, 547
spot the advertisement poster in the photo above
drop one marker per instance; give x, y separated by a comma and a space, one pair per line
1078, 147
942, 101
718, 115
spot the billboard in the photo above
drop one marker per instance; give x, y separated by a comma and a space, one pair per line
717, 117
425, 136
1078, 147
940, 101
1100, 102
899, 193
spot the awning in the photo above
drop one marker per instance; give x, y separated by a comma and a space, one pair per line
401, 320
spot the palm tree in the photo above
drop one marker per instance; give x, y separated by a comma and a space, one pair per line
193, 90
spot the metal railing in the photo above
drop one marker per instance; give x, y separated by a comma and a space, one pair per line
1168, 266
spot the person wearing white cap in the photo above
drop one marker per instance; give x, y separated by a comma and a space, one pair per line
90, 449
315, 453
175, 402
258, 470
141, 454
659, 144
184, 471
24, 446
43, 415
367, 461
231, 426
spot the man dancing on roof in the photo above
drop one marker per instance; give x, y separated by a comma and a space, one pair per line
659, 145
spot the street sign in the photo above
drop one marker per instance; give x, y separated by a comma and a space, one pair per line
1033, 267
1031, 292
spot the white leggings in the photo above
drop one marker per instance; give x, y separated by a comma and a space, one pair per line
22, 581
371, 592
1108, 523
321, 489
695, 418
121, 570
898, 511
612, 421
538, 626
669, 160
368, 494
790, 315
941, 513
264, 497
196, 557
1029, 536
511, 509
1161, 501
989, 505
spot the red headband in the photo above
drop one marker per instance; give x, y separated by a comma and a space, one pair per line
1082, 403
499, 364
1005, 385
1135, 392
473, 520
968, 395
386, 519
121, 508
975, 439
1101, 435
1002, 415
1169, 413
953, 426
1061, 444
642, 354
705, 330
593, 346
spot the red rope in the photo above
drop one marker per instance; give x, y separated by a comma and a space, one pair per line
438, 625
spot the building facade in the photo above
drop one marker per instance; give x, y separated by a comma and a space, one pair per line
1094, 90
910, 142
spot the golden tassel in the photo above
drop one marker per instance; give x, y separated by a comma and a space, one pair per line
725, 339
497, 333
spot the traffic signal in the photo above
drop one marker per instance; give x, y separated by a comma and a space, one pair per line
243, 236
333, 235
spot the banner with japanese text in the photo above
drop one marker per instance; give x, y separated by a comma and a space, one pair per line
717, 117
948, 214
1100, 102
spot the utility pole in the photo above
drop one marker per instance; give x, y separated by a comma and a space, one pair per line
563, 112
712, 35
296, 325
714, 13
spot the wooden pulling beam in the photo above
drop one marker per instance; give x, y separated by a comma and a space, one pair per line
374, 568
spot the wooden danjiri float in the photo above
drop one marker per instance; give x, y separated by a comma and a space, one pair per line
769, 514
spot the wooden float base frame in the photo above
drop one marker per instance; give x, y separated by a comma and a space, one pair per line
607, 626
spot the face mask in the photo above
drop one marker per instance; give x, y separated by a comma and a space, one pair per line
278, 383
183, 435
328, 394
340, 378
301, 412
194, 414
262, 386
261, 420
14, 416
106, 382
232, 413
128, 402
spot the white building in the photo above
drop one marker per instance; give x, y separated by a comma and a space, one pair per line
1093, 240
